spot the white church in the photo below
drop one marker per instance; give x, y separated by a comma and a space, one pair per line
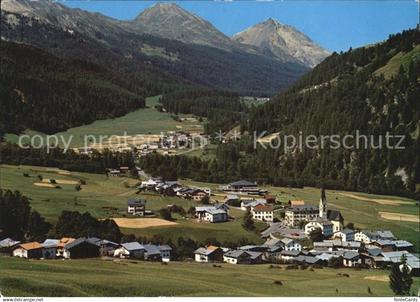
329, 221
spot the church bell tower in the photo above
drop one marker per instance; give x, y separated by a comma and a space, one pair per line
323, 205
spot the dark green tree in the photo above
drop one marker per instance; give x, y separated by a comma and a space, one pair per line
248, 222
400, 280
37, 227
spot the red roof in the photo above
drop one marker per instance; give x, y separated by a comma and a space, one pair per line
263, 208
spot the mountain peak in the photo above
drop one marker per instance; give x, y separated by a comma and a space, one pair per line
271, 22
282, 41
169, 20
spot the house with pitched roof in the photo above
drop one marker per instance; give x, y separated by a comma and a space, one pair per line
323, 224
62, 242
136, 207
263, 213
7, 245
345, 235
130, 250
232, 199
81, 248
30, 250
165, 252
351, 259
49, 250
251, 203
211, 213
242, 257
208, 254
290, 245
297, 214
157, 252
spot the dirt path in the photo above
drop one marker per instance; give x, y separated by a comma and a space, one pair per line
377, 200
399, 217
141, 223
61, 181
382, 278
45, 185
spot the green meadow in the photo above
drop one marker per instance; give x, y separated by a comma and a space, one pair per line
142, 121
107, 198
96, 277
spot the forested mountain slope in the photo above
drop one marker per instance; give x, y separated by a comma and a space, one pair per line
50, 94
373, 89
150, 60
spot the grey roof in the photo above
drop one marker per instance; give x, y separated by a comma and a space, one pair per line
403, 244
307, 259
239, 253
49, 243
211, 210
334, 215
275, 248
76, 242
350, 255
132, 246
203, 251
136, 202
286, 241
8, 242
164, 247
385, 242
395, 257
325, 243
247, 247
231, 196
347, 231
385, 234
94, 240
290, 253
253, 202
303, 208
272, 242
325, 256
374, 251
254, 255
351, 244
151, 249
273, 228
107, 242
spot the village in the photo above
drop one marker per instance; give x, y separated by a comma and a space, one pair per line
301, 236
165, 143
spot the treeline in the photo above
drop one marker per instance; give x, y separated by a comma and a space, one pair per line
96, 162
364, 90
221, 108
20, 222
49, 94
269, 167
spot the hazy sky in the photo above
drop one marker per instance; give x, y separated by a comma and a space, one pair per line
335, 25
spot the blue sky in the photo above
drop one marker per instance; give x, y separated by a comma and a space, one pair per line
335, 25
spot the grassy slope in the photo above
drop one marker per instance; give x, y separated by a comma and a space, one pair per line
364, 214
101, 193
393, 65
142, 121
131, 278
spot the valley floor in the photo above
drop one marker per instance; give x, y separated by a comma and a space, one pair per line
21, 277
